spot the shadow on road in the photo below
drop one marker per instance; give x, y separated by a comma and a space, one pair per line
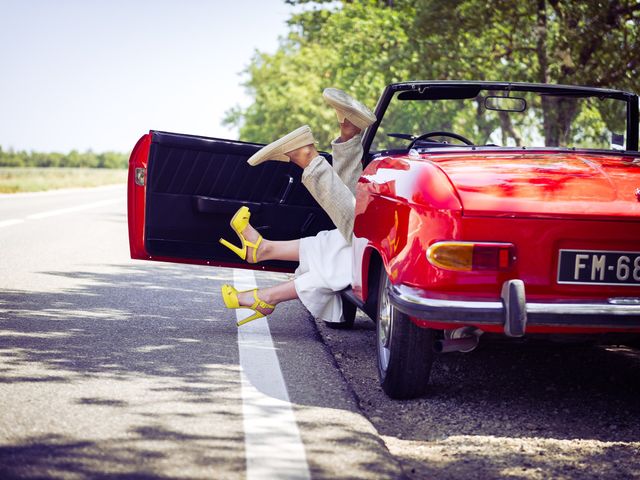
145, 358
128, 322
142, 372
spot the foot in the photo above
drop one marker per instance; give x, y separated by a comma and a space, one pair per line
246, 299
302, 156
348, 130
276, 150
252, 235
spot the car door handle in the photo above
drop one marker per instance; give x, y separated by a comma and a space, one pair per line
286, 190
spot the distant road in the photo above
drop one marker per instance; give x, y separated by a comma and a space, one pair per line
20, 207
110, 366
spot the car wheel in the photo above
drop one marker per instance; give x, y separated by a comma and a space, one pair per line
405, 351
349, 311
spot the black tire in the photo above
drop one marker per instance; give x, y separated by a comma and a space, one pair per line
349, 311
404, 351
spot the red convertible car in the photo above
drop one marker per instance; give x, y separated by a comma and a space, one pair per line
484, 207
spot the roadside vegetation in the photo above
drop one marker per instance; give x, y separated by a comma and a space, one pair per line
35, 179
73, 159
22, 171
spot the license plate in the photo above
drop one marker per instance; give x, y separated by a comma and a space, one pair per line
599, 267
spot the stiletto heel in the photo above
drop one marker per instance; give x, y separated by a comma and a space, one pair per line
230, 297
238, 223
237, 250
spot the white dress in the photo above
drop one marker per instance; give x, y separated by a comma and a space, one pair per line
325, 269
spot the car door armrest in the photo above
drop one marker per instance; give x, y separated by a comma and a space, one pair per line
222, 205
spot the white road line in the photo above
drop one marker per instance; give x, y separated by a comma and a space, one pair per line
6, 223
273, 446
61, 211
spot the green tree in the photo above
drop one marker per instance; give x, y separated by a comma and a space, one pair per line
547, 41
362, 45
112, 160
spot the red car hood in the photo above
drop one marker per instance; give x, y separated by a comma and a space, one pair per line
544, 184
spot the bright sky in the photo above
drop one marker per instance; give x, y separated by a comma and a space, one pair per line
97, 74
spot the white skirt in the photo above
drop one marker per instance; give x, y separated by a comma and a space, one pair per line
325, 269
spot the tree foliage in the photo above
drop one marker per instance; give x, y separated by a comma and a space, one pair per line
359, 47
362, 45
88, 159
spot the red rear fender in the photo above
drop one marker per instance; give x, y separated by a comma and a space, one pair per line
136, 196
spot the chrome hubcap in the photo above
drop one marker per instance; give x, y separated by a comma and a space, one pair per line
384, 328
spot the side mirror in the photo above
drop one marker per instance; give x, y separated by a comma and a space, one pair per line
505, 104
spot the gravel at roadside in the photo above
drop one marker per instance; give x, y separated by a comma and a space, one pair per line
507, 410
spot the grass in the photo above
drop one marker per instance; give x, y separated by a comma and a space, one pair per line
17, 179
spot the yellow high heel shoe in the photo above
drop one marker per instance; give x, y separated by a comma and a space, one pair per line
230, 297
238, 223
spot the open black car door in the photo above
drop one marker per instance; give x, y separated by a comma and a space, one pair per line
184, 189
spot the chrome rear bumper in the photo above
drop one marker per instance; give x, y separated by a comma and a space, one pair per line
514, 313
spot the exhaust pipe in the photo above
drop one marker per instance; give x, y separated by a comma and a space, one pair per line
456, 344
463, 339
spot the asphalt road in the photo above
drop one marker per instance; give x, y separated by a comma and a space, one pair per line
115, 368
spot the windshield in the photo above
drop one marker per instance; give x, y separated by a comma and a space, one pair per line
526, 119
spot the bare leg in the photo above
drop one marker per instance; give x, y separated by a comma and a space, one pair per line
348, 130
271, 249
288, 250
303, 156
273, 295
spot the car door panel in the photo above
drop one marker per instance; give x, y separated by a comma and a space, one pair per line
195, 184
